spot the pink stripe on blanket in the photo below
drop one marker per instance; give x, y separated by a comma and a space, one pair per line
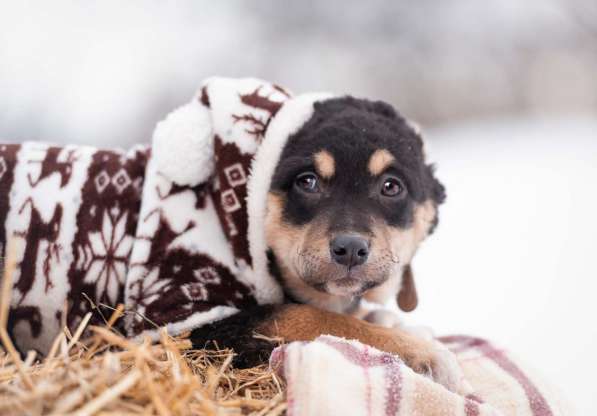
463, 342
474, 398
471, 405
471, 408
292, 403
367, 379
537, 402
388, 361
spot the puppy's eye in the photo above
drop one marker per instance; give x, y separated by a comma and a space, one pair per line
307, 182
392, 187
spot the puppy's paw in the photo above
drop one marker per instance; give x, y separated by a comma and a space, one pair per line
435, 361
383, 317
447, 371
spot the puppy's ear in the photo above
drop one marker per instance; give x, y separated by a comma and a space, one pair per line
438, 191
407, 297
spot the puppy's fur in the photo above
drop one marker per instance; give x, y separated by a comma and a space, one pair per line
358, 153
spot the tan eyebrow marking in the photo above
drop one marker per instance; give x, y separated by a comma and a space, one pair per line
325, 164
379, 161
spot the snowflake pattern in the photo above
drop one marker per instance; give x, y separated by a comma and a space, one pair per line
107, 255
94, 224
145, 291
197, 291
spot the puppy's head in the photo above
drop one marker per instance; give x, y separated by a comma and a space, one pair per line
351, 199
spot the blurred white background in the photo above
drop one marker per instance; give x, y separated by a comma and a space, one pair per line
506, 91
513, 258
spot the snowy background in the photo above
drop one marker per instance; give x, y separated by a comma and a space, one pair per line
514, 257
506, 91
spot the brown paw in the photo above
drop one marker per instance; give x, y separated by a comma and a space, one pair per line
420, 361
433, 360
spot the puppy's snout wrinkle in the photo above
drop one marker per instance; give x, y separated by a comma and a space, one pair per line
349, 250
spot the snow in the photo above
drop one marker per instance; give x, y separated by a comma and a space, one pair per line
514, 256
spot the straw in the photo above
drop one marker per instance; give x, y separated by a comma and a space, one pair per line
98, 371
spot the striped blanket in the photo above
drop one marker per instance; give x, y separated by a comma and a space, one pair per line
333, 376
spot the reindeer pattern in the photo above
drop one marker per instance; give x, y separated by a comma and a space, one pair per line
90, 229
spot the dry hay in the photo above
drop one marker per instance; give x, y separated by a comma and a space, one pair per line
105, 373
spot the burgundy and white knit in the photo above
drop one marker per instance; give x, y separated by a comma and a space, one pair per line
163, 230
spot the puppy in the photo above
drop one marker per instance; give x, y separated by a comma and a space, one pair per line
350, 201
256, 217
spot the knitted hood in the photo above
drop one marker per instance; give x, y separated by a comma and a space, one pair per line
174, 231
200, 250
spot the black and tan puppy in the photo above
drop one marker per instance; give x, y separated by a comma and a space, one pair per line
350, 201
304, 205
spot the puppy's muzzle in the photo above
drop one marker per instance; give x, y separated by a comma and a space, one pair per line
349, 250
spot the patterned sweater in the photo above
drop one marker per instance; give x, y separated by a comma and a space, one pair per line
174, 232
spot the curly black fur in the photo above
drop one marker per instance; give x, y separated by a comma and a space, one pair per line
237, 332
351, 130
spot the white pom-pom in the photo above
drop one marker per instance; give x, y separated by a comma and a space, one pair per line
183, 145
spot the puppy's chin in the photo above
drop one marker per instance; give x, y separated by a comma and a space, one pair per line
347, 286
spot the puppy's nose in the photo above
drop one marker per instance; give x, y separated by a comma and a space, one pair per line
349, 250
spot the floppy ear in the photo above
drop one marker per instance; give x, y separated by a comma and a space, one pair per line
438, 191
407, 297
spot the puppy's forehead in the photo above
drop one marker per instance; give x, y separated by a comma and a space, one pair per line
325, 163
379, 161
352, 141
334, 160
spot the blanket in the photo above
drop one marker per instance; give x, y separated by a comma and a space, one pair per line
333, 376
174, 231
